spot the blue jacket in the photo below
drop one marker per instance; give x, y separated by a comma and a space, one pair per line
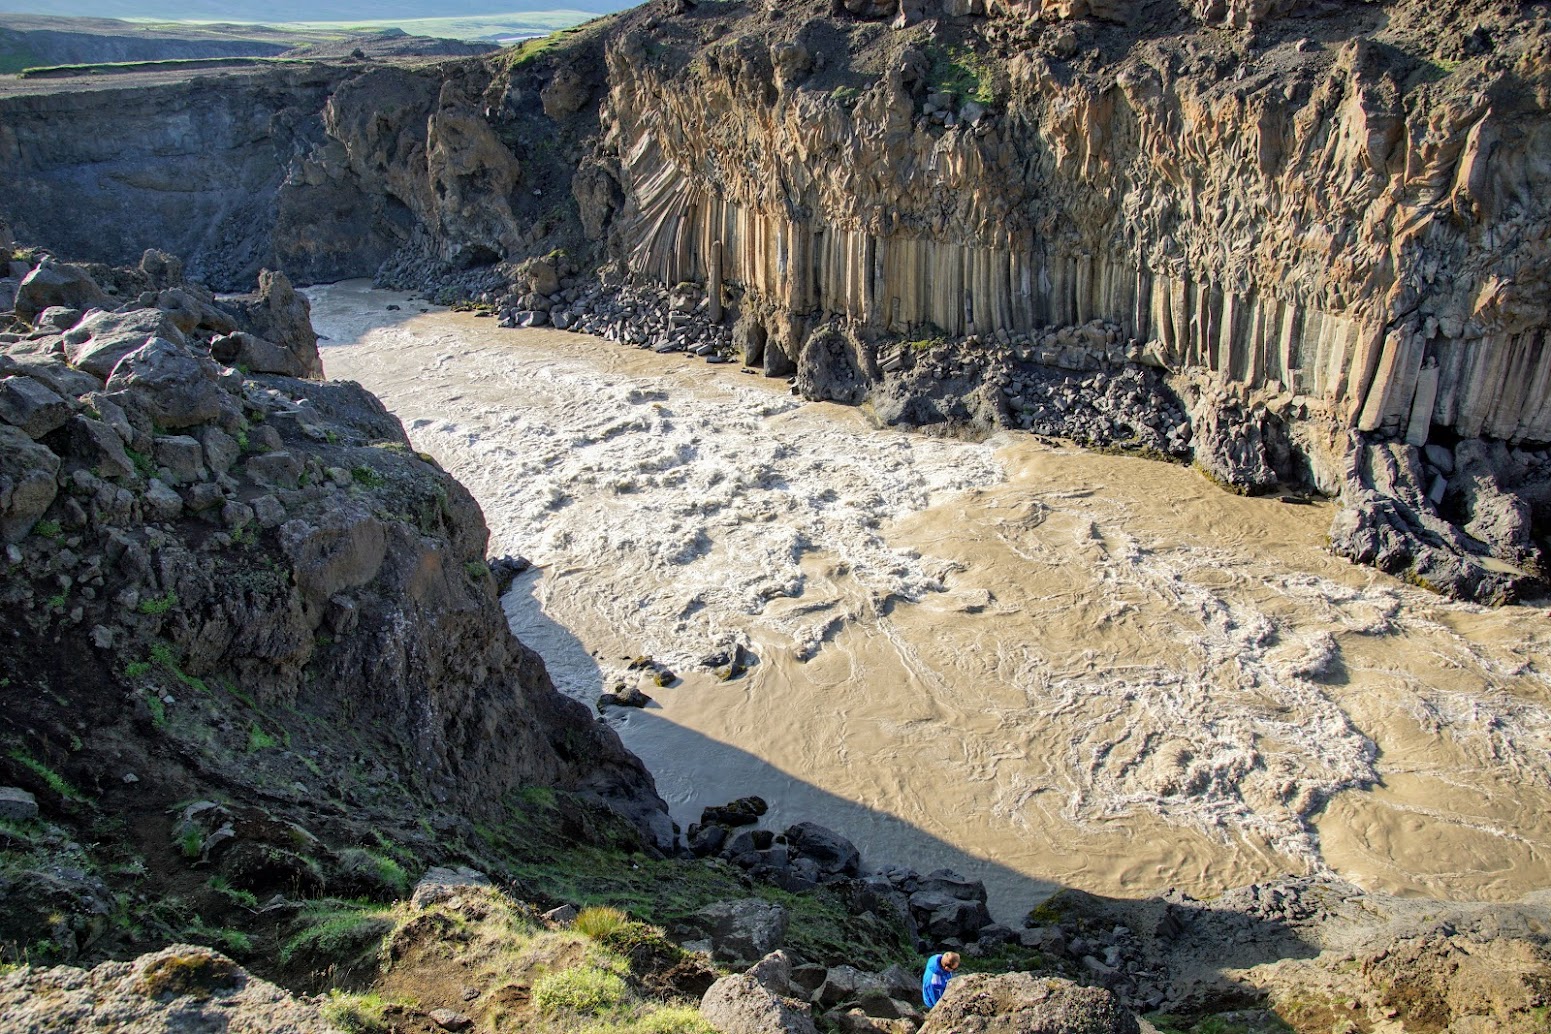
934, 981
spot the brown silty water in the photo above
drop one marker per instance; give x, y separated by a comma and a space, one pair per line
1037, 666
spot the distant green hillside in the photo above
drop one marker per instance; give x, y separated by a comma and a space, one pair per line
385, 12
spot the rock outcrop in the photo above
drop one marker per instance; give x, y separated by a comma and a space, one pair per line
180, 988
251, 580
1021, 1003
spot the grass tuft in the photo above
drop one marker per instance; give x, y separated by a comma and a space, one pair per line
580, 990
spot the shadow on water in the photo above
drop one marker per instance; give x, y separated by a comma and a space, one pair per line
693, 771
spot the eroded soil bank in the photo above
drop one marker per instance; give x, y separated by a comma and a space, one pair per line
1038, 666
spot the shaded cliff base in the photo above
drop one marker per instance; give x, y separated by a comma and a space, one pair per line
1468, 518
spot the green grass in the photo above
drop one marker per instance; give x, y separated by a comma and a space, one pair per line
598, 922
47, 529
366, 476
137, 669
233, 942
580, 990
246, 699
58, 601
157, 708
963, 73
340, 931
662, 892
387, 869
158, 604
356, 1013
258, 739
537, 796
173, 64
671, 1019
191, 843
164, 655
144, 466
51, 778
237, 896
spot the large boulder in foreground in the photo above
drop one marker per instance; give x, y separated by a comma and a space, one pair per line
740, 1004
178, 989
58, 283
740, 932
1022, 1003
280, 316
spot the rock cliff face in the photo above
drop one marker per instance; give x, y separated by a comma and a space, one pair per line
1346, 209
244, 589
1326, 222
209, 168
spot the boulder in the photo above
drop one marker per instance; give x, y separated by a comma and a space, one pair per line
740, 1004
835, 855
1245, 448
274, 469
774, 973
748, 338
565, 93
563, 915
255, 355
189, 312
942, 915
443, 882
833, 367
844, 984
182, 988
738, 932
64, 381
32, 406
276, 313
1022, 1003
96, 445
98, 342
745, 811
27, 482
59, 317
17, 805
182, 457
343, 550
160, 503
178, 389
221, 450
707, 840
66, 906
58, 284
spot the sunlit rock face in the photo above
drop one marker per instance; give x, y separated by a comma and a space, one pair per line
1351, 208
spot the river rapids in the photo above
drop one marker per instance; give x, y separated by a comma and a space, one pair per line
1037, 666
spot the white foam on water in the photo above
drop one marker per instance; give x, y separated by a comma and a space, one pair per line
1055, 674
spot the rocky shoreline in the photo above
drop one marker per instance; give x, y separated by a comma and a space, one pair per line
1456, 519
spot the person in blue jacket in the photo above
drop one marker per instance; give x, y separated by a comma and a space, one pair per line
939, 970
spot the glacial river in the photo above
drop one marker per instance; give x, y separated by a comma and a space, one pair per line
1037, 666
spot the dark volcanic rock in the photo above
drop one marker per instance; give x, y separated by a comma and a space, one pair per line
1022, 1003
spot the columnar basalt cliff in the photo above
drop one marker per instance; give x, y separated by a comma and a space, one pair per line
1346, 209
1327, 222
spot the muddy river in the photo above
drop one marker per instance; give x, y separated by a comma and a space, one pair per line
1037, 666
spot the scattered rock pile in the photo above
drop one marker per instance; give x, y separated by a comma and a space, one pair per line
1455, 521
941, 908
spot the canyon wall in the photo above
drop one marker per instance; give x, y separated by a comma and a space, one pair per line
1331, 207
